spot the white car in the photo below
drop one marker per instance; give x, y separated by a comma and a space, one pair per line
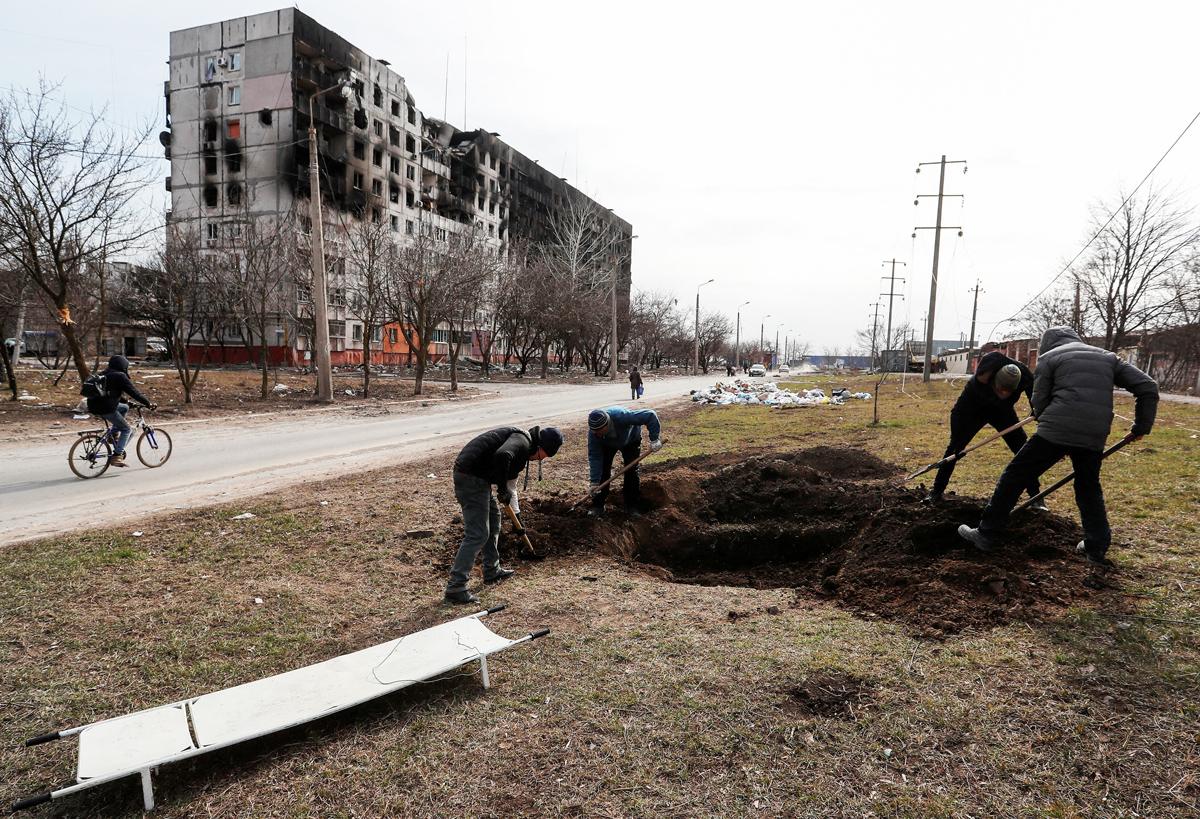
784, 369
757, 371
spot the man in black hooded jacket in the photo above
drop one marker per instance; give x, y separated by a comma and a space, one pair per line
1073, 404
494, 458
989, 397
109, 406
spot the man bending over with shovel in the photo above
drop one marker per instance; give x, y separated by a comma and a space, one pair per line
613, 430
1073, 404
988, 398
494, 458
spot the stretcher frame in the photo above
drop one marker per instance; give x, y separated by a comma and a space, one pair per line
145, 768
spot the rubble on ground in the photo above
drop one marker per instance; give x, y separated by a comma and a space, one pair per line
770, 394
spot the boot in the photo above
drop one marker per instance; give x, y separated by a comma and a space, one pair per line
1092, 557
932, 499
596, 512
1039, 506
976, 538
460, 597
499, 574
117, 459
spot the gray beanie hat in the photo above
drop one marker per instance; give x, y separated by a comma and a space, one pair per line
1008, 377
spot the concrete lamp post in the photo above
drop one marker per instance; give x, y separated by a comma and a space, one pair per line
696, 353
320, 289
737, 344
762, 325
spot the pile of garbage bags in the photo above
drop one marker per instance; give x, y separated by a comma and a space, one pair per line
770, 394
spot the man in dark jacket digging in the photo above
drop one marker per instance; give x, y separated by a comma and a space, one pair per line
988, 398
494, 458
110, 407
612, 430
1073, 403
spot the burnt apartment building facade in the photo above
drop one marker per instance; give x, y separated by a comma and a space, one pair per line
237, 104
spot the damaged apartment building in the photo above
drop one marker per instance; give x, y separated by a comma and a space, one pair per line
237, 104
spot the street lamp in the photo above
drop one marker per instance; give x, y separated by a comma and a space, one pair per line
776, 350
696, 354
761, 326
612, 365
737, 344
320, 294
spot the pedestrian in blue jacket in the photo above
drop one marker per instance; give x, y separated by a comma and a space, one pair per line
612, 430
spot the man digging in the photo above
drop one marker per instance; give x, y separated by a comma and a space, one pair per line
494, 458
613, 430
1073, 403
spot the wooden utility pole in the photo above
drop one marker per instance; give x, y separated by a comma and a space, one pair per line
874, 330
974, 308
1076, 314
891, 294
937, 247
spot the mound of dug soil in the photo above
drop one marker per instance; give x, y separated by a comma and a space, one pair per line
832, 524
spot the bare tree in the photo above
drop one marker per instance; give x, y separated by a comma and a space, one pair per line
370, 255
1126, 278
259, 263
67, 189
715, 330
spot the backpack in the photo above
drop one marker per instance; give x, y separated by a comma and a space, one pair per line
94, 387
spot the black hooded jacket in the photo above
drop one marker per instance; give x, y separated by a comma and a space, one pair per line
497, 456
979, 398
116, 384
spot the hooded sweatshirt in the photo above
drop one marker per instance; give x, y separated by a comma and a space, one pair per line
1073, 391
116, 384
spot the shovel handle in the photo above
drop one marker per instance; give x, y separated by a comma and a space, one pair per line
1070, 476
957, 455
615, 475
519, 529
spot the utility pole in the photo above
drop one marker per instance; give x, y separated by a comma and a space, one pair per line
696, 353
974, 308
320, 290
891, 294
761, 327
874, 330
937, 246
1076, 314
737, 344
775, 352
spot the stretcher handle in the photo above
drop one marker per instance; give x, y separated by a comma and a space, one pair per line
50, 737
541, 632
495, 609
31, 801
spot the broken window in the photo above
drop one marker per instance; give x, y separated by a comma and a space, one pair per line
394, 136
410, 172
377, 97
412, 115
210, 196
235, 95
394, 165
234, 128
408, 228
410, 144
360, 150
210, 131
395, 108
210, 164
378, 125
264, 116
376, 215
395, 227
394, 193
234, 230
409, 200
358, 181
377, 157
376, 187
234, 195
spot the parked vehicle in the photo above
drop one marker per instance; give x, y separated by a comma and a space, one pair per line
784, 369
757, 371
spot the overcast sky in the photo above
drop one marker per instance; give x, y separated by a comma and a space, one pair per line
770, 146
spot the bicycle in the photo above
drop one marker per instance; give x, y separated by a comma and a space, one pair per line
90, 454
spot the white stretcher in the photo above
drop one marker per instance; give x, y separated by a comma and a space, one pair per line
138, 743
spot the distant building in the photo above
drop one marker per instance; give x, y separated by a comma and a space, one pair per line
238, 114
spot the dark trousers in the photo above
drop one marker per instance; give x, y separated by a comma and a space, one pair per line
481, 530
965, 425
631, 488
1033, 460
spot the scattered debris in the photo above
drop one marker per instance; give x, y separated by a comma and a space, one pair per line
324, 503
26, 397
349, 392
258, 601
431, 475
138, 534
80, 417
770, 394
244, 516
278, 388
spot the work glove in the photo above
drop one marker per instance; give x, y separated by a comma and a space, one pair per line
510, 491
655, 445
593, 489
504, 496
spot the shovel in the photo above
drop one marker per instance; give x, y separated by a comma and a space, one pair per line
616, 475
957, 455
520, 530
1061, 482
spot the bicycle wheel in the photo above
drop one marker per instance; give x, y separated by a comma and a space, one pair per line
89, 456
154, 447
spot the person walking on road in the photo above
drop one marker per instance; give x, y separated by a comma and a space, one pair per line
612, 430
989, 397
1073, 403
635, 384
494, 458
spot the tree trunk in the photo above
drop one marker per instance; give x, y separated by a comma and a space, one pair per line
262, 359
9, 373
419, 378
545, 360
68, 330
366, 359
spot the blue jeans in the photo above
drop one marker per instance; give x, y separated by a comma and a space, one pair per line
481, 530
1035, 458
116, 419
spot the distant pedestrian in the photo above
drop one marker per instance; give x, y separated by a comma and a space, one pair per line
494, 458
635, 384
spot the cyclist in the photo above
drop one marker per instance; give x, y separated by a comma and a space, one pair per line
110, 407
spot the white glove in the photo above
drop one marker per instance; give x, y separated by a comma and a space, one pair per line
655, 445
513, 503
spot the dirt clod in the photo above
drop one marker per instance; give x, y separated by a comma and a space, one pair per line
829, 694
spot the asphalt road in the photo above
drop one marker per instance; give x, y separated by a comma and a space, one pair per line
220, 462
